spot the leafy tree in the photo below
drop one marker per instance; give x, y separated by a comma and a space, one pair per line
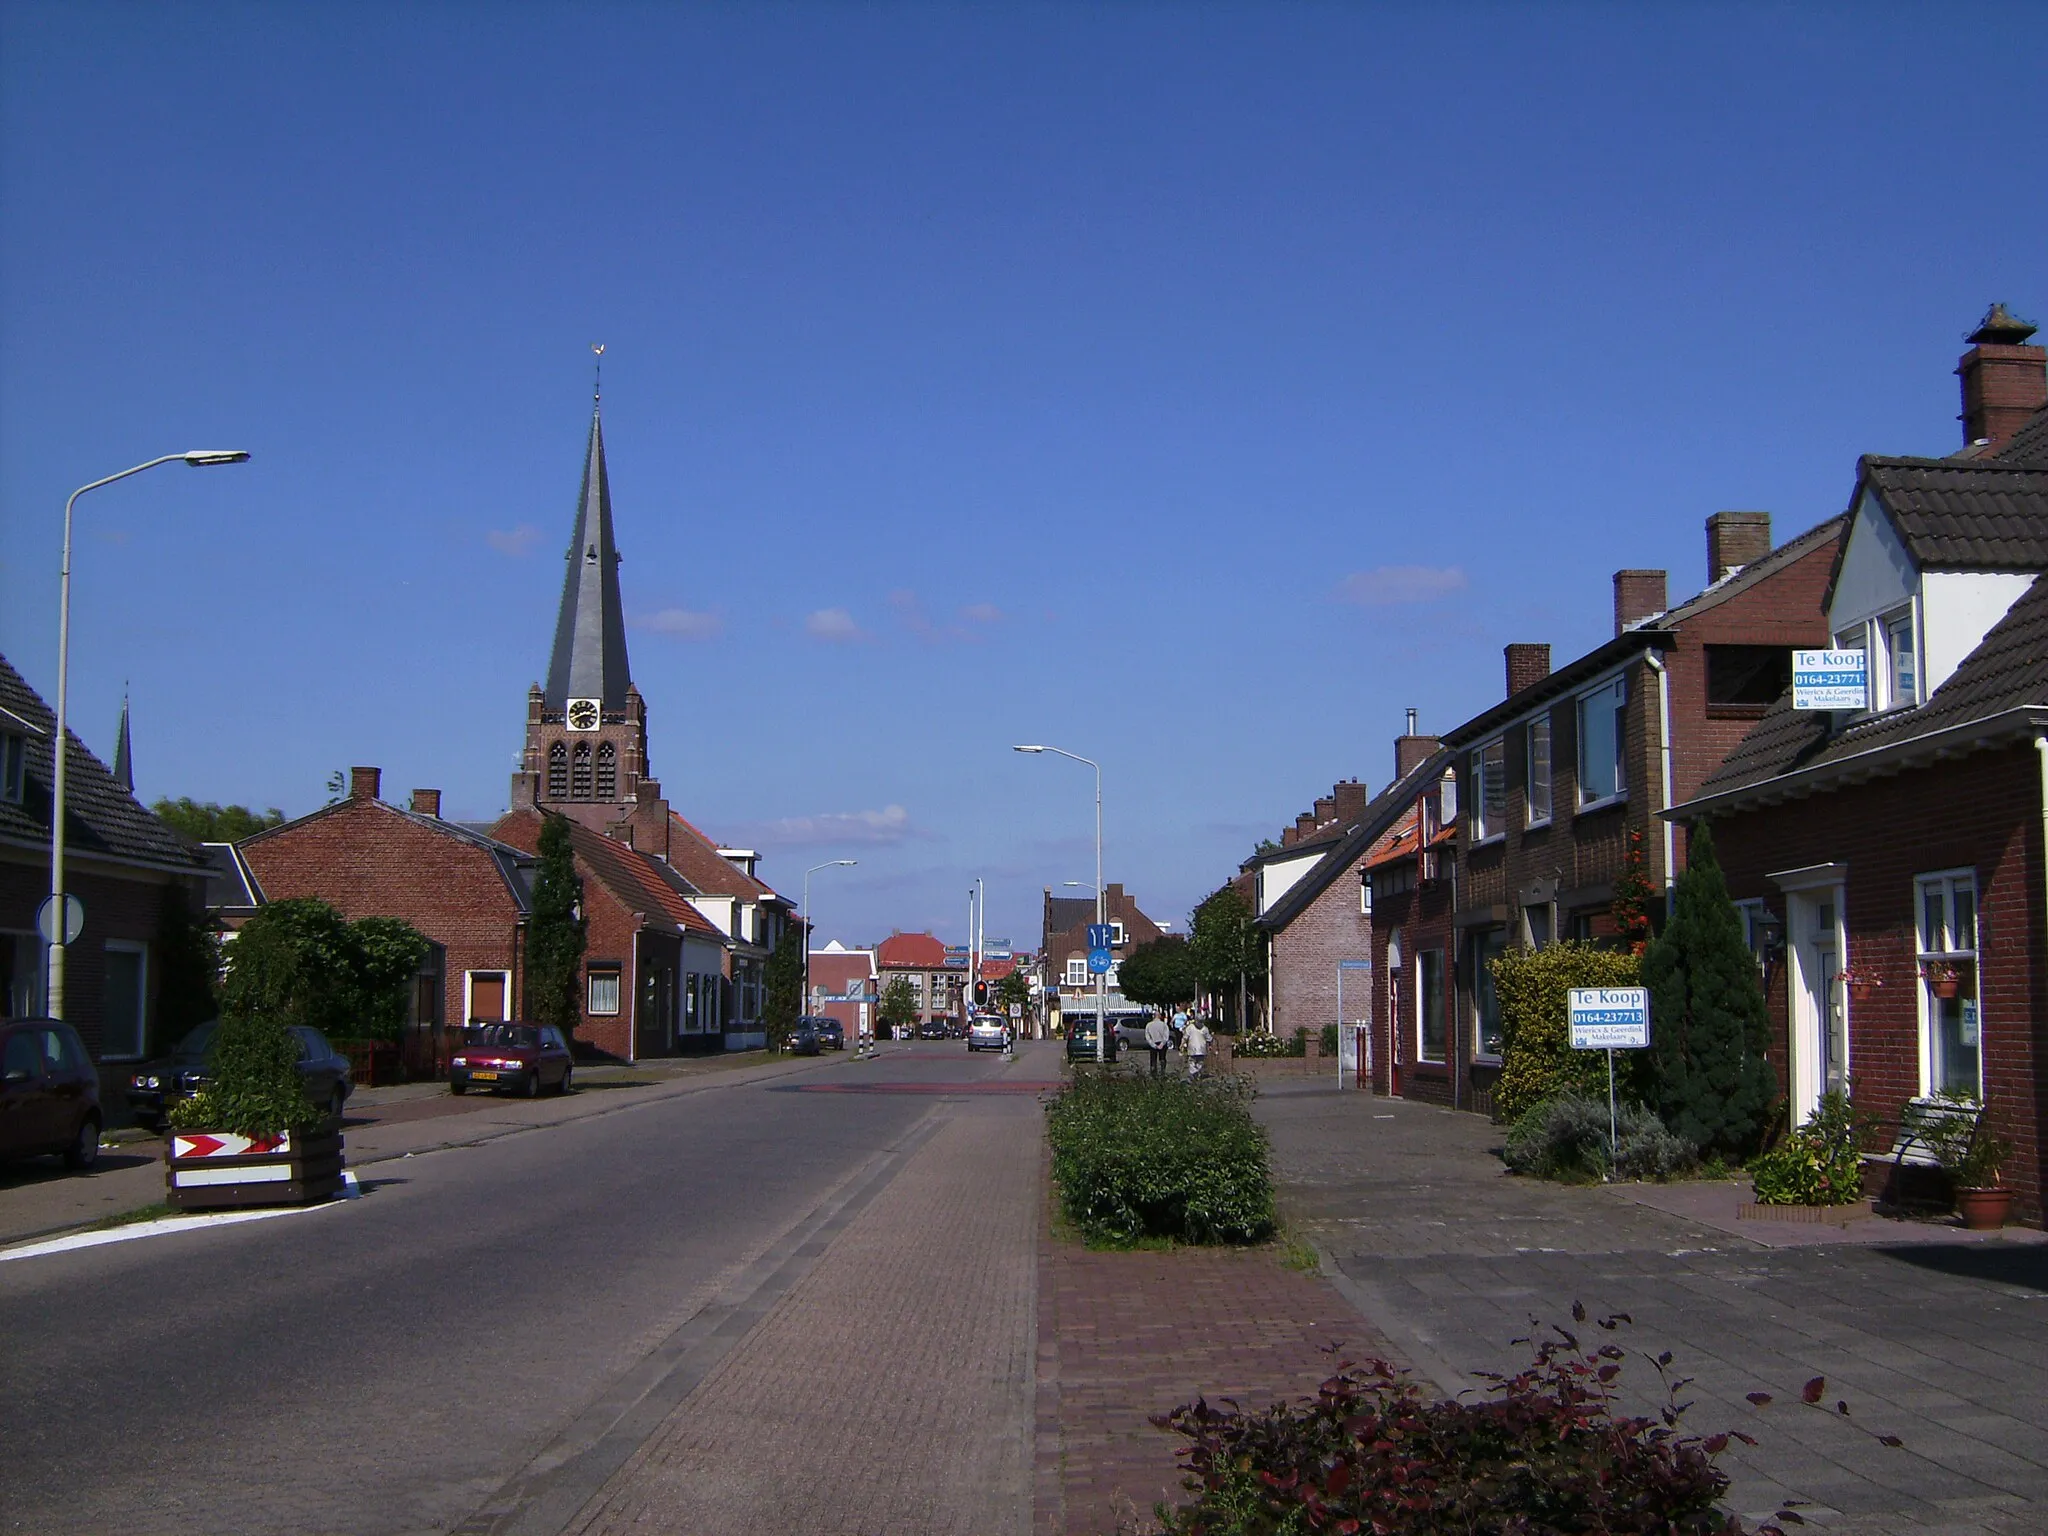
212, 823
1633, 898
1229, 953
1537, 1059
1709, 1028
389, 953
1014, 990
1160, 974
783, 979
899, 1002
556, 932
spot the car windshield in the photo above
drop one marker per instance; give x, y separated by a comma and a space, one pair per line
510, 1036
195, 1045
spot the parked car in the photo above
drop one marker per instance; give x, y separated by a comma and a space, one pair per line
988, 1033
932, 1029
153, 1089
1081, 1041
528, 1057
803, 1038
955, 1030
49, 1093
831, 1033
1130, 1033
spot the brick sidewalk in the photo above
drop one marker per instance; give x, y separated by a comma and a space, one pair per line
1138, 1334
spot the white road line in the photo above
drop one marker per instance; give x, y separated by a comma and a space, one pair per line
169, 1224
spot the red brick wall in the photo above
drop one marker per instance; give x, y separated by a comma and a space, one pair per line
1305, 955
1981, 812
1423, 917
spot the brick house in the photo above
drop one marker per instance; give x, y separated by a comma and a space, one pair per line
934, 974
1063, 946
468, 893
131, 872
1310, 899
845, 985
1889, 862
1408, 844
1556, 778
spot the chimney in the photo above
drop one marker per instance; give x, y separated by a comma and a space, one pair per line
1326, 808
1528, 664
1637, 595
2004, 380
1289, 836
1351, 798
363, 783
1412, 749
427, 802
1736, 539
1304, 824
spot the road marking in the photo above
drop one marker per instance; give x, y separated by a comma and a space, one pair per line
169, 1224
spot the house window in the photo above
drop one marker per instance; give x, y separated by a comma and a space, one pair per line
1948, 982
1447, 799
13, 766
1116, 934
124, 1006
1539, 771
1429, 1005
1602, 735
607, 772
1901, 671
1490, 803
579, 773
558, 772
1365, 893
1752, 914
604, 992
1077, 972
1747, 676
1487, 943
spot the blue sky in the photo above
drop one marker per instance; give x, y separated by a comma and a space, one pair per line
1192, 387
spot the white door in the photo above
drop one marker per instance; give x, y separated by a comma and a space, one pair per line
1820, 1023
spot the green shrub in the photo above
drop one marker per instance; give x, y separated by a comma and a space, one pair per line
1566, 1138
1329, 1038
1537, 1061
1138, 1157
1254, 1047
1818, 1164
255, 1088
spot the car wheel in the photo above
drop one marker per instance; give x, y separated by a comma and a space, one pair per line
563, 1086
458, 1089
335, 1100
84, 1151
530, 1089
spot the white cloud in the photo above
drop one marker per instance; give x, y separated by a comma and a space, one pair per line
1386, 585
889, 825
835, 625
516, 541
982, 613
683, 623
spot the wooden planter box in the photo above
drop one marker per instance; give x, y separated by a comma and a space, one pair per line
213, 1170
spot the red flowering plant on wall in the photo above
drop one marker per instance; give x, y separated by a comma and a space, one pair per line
1633, 895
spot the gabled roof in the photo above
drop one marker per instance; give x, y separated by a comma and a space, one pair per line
2000, 690
515, 866
589, 656
637, 881
1381, 813
1064, 912
231, 885
1963, 514
2028, 447
912, 951
100, 817
697, 859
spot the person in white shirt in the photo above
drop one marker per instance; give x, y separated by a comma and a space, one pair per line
1195, 1041
1157, 1038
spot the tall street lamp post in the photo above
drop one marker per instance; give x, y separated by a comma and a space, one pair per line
1101, 977
59, 920
806, 921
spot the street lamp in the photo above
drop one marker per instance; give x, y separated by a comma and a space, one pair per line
1101, 977
805, 919
59, 924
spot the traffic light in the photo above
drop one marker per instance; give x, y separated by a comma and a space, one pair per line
980, 993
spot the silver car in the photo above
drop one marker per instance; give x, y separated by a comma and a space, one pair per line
988, 1034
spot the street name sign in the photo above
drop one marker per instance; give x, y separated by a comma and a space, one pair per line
1830, 679
1609, 1018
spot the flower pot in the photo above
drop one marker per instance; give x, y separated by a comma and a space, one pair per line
1946, 987
1984, 1210
207, 1170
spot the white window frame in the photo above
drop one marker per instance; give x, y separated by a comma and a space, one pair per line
1751, 910
1479, 1051
1423, 992
469, 992
1530, 815
1490, 782
1116, 935
1948, 881
1077, 972
1886, 628
1617, 683
140, 950
616, 977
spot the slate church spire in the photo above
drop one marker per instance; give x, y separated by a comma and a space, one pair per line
124, 759
589, 658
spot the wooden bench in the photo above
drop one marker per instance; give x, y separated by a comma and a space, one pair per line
1932, 1133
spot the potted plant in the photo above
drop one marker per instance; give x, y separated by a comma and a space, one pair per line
252, 1135
1944, 977
1862, 985
1982, 1201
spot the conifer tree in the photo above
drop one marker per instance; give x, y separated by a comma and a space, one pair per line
1712, 1082
556, 933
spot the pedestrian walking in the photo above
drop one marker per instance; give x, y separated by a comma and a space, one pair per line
1195, 1041
1157, 1038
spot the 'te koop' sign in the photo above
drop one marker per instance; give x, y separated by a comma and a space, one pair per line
1830, 679
1609, 1018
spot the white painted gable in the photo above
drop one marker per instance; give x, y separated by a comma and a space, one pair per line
1282, 875
1877, 574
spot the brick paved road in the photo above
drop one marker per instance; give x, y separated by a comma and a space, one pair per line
1942, 1343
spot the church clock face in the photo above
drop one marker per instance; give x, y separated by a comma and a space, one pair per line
583, 714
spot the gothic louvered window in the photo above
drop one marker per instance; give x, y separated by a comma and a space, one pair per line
607, 772
558, 771
579, 774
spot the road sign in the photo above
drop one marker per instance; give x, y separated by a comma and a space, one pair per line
1100, 935
74, 919
1098, 962
1016, 1010
1830, 679
1610, 1018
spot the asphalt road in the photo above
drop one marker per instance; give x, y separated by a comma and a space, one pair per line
391, 1364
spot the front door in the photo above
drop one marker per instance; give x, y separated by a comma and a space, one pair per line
1820, 1032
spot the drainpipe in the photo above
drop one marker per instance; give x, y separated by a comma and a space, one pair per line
2041, 747
1656, 664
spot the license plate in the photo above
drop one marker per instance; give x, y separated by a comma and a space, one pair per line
483, 1077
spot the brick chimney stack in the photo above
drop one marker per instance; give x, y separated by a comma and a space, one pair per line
1351, 798
2004, 380
364, 783
427, 802
1412, 749
1527, 665
1637, 595
1736, 539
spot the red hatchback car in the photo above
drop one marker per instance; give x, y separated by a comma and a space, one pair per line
49, 1093
528, 1057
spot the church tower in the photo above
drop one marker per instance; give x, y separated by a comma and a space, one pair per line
586, 732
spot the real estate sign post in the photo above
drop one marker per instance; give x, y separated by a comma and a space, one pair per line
1609, 1019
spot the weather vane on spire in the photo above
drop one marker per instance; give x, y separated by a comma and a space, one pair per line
597, 385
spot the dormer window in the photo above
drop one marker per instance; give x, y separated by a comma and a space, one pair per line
1901, 660
13, 767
